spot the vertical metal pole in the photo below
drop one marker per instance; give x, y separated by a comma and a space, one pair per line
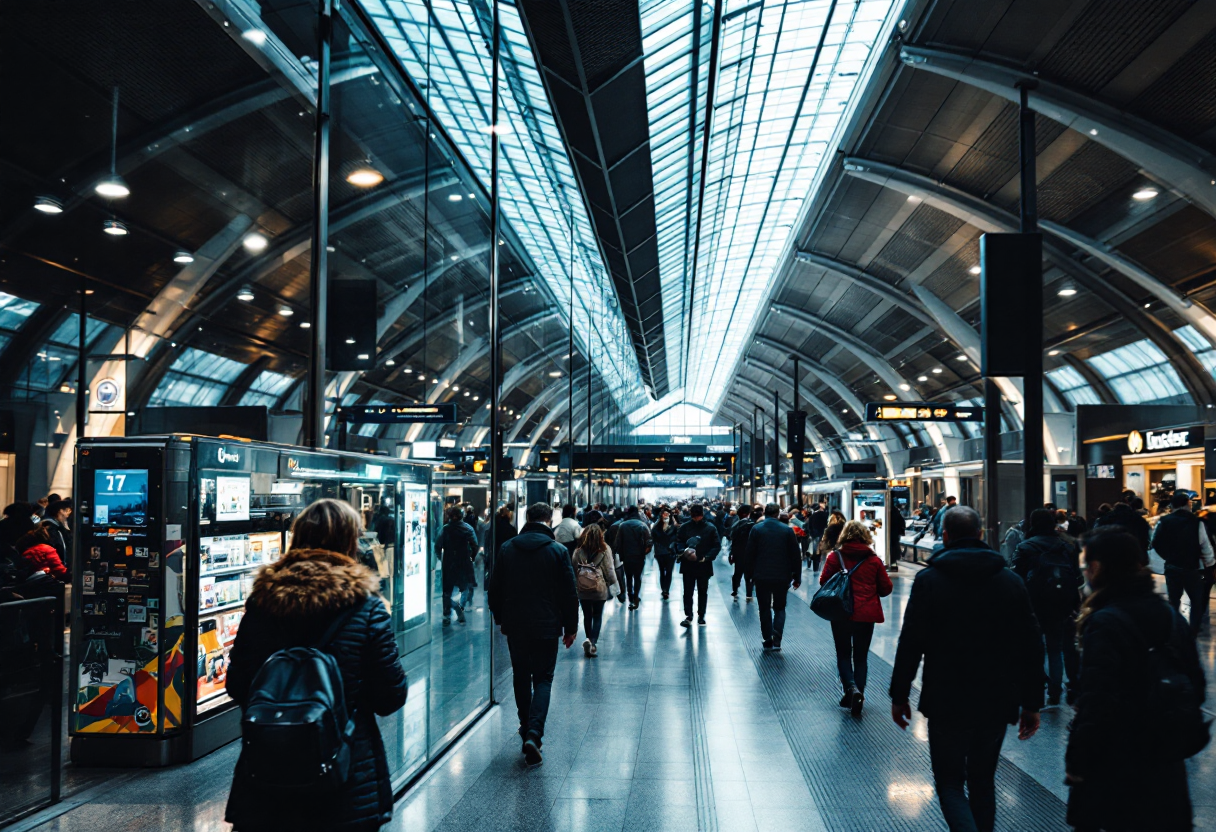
992, 456
318, 282
1032, 381
755, 468
570, 373
590, 493
495, 326
776, 447
801, 444
82, 368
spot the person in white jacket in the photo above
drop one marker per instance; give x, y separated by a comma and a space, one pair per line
568, 530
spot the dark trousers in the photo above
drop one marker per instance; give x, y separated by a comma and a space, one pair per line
965, 755
532, 663
742, 575
1061, 640
593, 618
852, 640
701, 583
1191, 581
633, 579
771, 596
667, 565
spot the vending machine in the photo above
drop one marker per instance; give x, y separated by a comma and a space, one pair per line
872, 506
172, 531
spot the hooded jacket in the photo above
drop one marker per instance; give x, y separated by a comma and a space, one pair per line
971, 621
1102, 746
293, 603
532, 592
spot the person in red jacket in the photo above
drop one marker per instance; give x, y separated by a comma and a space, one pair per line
40, 556
870, 583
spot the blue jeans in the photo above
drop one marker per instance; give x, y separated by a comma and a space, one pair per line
532, 663
466, 595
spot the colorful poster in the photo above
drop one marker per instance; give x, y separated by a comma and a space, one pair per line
414, 540
231, 499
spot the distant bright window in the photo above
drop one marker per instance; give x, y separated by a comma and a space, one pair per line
266, 389
196, 379
1074, 386
1140, 373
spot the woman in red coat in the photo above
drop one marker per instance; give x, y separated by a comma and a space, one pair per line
40, 556
870, 583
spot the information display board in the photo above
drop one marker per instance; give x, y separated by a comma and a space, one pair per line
922, 412
415, 542
871, 506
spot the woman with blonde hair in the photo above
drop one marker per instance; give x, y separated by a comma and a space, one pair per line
868, 575
831, 532
318, 595
594, 566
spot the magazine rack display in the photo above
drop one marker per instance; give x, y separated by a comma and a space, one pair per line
172, 531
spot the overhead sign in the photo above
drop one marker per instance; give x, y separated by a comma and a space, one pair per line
922, 412
384, 414
1158, 441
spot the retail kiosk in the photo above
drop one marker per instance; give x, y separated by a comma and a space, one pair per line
172, 531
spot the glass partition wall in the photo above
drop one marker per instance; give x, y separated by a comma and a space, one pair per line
165, 185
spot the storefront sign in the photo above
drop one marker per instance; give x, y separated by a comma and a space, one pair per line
1159, 441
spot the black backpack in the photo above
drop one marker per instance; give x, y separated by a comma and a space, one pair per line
1172, 725
296, 729
1054, 584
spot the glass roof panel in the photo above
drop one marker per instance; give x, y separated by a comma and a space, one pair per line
14, 312
1139, 373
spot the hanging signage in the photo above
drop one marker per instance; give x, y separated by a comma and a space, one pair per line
922, 412
107, 396
1159, 441
384, 414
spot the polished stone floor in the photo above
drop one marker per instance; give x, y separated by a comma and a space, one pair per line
671, 729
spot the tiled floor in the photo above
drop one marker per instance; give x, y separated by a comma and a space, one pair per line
671, 729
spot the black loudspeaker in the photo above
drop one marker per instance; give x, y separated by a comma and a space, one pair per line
351, 340
1011, 302
795, 426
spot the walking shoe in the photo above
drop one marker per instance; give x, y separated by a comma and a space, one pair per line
734, 593
621, 597
846, 700
777, 643
633, 606
532, 752
460, 614
768, 644
665, 596
749, 598
447, 621
687, 622
594, 651
701, 620
587, 647
858, 701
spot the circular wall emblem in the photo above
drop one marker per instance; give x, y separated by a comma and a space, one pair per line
1135, 442
107, 392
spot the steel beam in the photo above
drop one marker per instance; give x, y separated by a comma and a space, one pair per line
874, 284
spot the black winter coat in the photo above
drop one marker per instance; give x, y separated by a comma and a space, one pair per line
738, 544
773, 552
664, 539
458, 547
1028, 556
970, 619
1124, 515
292, 605
632, 541
1121, 790
532, 592
816, 523
708, 546
504, 530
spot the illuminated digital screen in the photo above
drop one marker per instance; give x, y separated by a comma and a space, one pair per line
922, 412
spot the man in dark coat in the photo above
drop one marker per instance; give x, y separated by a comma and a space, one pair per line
533, 598
633, 543
700, 544
457, 548
1181, 539
971, 621
1124, 515
776, 561
738, 553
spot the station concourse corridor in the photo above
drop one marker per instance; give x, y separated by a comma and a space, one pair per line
676, 730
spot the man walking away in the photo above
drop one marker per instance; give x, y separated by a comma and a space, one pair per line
776, 561
816, 524
568, 531
738, 552
971, 620
699, 544
1182, 542
633, 544
457, 548
533, 598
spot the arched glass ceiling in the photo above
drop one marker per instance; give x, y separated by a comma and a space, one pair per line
1073, 385
681, 420
1140, 373
196, 379
448, 51
784, 90
14, 312
266, 389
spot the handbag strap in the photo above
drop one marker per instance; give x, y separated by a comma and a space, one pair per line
848, 573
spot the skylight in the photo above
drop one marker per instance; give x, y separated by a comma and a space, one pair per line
784, 91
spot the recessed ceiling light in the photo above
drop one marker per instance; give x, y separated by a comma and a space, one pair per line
922, 378
937, 369
466, 392
475, 398
905, 387
1066, 292
255, 242
48, 205
245, 294
456, 387
286, 311
434, 381
961, 358
350, 340
454, 197
1053, 352
362, 356
390, 363
255, 36
1145, 194
112, 187
305, 324
114, 228
555, 374
1147, 305
1093, 131
975, 270
183, 257
365, 178
890, 397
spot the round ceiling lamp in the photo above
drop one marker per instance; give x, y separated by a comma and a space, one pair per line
48, 205
114, 228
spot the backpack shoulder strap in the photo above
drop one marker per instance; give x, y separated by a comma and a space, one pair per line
338, 624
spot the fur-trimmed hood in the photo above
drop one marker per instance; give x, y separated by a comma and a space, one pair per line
311, 582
